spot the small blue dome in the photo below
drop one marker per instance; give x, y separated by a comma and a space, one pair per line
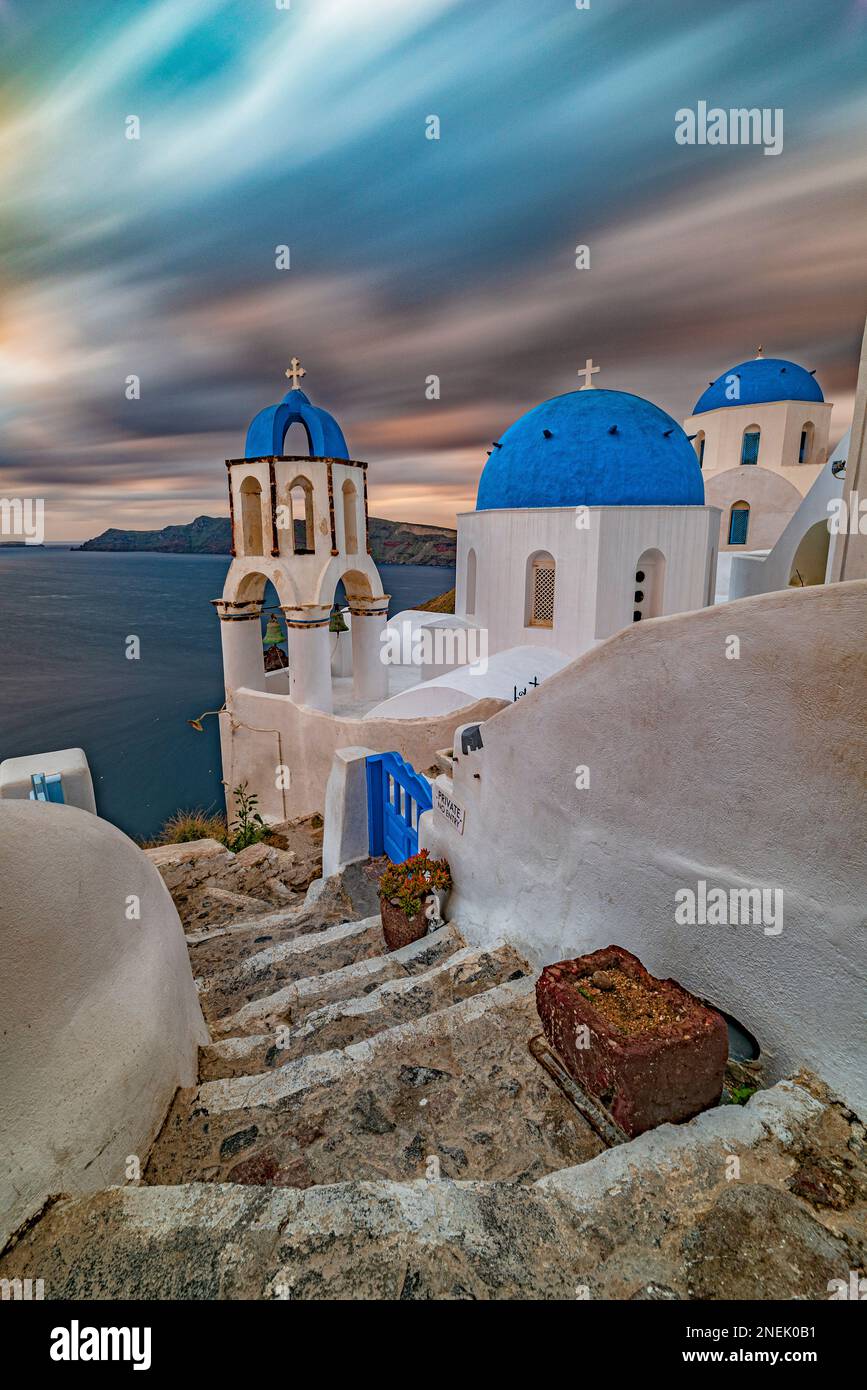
762, 380
268, 429
592, 448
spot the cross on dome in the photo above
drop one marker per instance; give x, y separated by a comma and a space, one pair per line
587, 371
295, 373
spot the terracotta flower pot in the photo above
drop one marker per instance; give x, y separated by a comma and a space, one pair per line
398, 929
648, 1050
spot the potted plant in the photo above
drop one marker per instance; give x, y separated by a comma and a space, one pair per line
411, 896
646, 1049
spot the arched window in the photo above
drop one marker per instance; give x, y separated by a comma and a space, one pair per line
699, 448
350, 519
649, 591
750, 444
251, 516
805, 448
470, 599
739, 523
301, 507
539, 598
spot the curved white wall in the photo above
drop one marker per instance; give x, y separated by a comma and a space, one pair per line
743, 773
753, 574
100, 1016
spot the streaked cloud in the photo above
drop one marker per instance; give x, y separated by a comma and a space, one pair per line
409, 257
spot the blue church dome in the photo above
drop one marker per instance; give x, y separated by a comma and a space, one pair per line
592, 448
762, 380
268, 429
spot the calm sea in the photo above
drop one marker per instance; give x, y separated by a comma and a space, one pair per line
65, 680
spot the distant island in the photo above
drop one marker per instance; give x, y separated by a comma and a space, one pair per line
391, 542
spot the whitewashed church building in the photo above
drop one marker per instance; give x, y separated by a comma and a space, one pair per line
595, 511
760, 431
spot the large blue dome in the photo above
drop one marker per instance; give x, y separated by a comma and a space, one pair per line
762, 380
592, 448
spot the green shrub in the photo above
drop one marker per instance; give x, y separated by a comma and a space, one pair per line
248, 826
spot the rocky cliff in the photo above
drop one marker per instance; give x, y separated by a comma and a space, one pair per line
391, 542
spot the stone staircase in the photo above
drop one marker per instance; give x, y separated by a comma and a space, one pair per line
372, 1124
333, 1060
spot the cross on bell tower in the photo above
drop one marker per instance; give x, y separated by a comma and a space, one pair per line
587, 371
295, 373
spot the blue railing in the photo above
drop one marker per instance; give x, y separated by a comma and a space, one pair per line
396, 797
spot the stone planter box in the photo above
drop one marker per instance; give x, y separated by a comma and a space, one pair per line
653, 1053
398, 929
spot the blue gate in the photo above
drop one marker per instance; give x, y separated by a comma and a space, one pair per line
396, 797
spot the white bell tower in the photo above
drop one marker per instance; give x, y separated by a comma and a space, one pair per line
300, 522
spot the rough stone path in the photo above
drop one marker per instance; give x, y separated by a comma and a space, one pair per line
334, 1060
372, 1124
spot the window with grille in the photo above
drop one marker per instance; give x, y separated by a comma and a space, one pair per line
543, 595
739, 522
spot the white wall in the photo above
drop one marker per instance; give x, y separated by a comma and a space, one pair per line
101, 1021
503, 542
741, 772
772, 501
780, 422
496, 678
16, 776
756, 575
262, 732
595, 568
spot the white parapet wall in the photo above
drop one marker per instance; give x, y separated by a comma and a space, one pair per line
662, 760
70, 764
262, 734
101, 1019
346, 839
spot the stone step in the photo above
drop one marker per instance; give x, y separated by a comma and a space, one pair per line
658, 1218
294, 1002
337, 1025
458, 1087
353, 1241
218, 948
224, 991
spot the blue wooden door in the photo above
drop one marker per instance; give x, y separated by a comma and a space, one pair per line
396, 797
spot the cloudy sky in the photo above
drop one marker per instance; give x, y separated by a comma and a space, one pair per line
306, 126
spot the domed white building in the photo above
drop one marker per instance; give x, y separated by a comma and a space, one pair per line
760, 432
590, 515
